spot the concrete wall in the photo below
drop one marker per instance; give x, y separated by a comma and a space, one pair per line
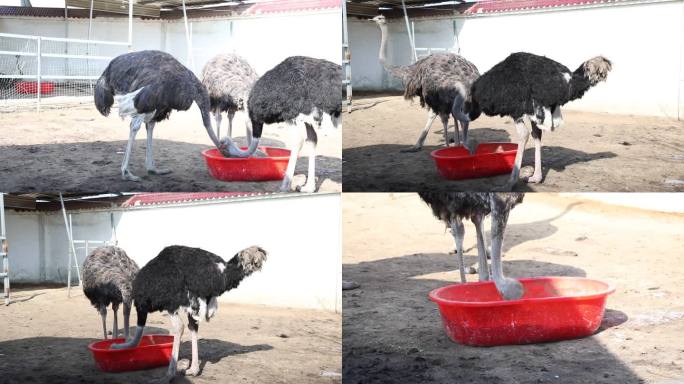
263, 40
643, 41
301, 234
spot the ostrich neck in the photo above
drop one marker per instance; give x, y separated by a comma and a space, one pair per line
398, 72
579, 84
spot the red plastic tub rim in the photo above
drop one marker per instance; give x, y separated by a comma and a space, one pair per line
461, 151
436, 295
280, 154
145, 342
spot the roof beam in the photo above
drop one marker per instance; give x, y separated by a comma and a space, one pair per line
116, 6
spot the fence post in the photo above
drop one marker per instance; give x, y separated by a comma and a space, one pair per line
38, 72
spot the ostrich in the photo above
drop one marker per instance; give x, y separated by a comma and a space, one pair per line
441, 81
535, 86
301, 92
108, 275
453, 207
147, 86
183, 279
229, 79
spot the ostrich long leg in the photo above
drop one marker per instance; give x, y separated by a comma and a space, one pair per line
231, 115
193, 325
523, 136
483, 268
297, 141
218, 117
126, 315
136, 122
458, 231
421, 139
510, 289
445, 123
115, 325
536, 136
177, 328
103, 315
310, 143
149, 159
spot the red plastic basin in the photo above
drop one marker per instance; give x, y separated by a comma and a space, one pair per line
153, 351
32, 87
456, 163
271, 167
552, 308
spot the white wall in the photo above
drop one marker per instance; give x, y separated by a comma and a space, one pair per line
301, 233
643, 41
263, 40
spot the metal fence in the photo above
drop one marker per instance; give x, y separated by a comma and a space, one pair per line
36, 71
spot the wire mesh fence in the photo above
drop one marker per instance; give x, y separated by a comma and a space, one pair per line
42, 71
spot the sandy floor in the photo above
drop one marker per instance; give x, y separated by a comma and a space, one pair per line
77, 149
591, 152
393, 333
44, 338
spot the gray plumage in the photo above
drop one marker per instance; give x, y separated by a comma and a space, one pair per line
453, 207
441, 81
229, 79
108, 275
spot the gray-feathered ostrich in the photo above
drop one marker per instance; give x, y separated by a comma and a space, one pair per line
441, 81
147, 86
300, 92
108, 275
228, 78
535, 86
187, 280
453, 207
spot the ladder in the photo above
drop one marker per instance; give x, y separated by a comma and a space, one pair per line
346, 58
3, 250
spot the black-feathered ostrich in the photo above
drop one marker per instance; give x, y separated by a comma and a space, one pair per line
108, 275
453, 207
228, 78
147, 86
183, 279
300, 92
525, 84
441, 81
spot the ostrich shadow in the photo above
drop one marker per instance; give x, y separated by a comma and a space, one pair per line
66, 360
95, 167
391, 331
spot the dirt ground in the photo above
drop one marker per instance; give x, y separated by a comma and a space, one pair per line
44, 337
76, 149
392, 333
591, 152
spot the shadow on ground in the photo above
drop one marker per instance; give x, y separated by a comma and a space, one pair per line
393, 333
96, 167
67, 360
383, 167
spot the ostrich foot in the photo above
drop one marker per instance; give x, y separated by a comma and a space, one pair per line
127, 175
510, 289
193, 370
348, 285
535, 178
156, 171
307, 188
410, 149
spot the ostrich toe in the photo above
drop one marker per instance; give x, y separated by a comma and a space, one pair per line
307, 188
158, 171
128, 175
510, 289
535, 178
410, 149
193, 370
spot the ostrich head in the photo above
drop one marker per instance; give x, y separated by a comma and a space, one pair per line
380, 20
596, 69
251, 259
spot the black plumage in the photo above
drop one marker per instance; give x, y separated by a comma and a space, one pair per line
148, 86
525, 84
453, 207
298, 85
